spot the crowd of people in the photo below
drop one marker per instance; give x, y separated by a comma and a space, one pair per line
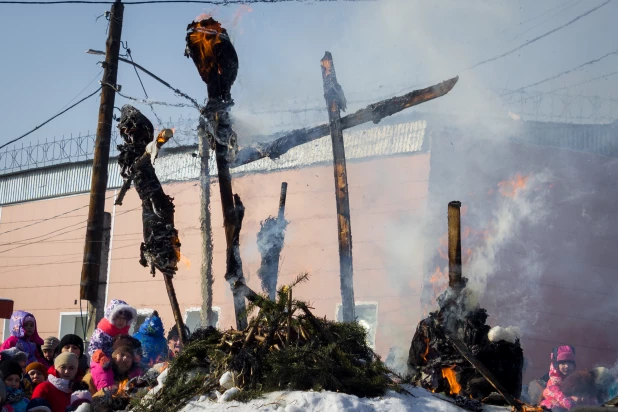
60, 375
565, 387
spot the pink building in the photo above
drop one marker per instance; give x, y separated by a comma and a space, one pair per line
553, 276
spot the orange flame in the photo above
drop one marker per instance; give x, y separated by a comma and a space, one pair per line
203, 37
510, 188
185, 261
449, 374
426, 348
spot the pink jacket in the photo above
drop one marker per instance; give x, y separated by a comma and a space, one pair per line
104, 378
552, 395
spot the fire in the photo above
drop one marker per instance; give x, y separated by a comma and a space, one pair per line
426, 348
510, 188
449, 374
164, 136
204, 35
185, 261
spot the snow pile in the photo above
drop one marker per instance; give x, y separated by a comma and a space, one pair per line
509, 334
297, 401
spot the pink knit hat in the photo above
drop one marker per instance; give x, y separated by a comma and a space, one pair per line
565, 354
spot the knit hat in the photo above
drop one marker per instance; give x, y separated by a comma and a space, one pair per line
37, 366
565, 354
38, 405
50, 342
2, 391
71, 340
125, 343
8, 368
66, 358
79, 397
14, 354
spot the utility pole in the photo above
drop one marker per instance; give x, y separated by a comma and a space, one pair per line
98, 187
335, 102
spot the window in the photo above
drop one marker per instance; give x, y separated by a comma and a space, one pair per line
193, 318
72, 323
6, 330
367, 316
142, 314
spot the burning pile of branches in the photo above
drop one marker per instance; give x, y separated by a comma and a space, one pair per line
285, 347
451, 351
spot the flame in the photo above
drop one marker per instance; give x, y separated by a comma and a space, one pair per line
510, 188
185, 261
426, 348
449, 374
204, 35
164, 136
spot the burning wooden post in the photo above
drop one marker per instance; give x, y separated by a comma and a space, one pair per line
209, 45
335, 102
161, 246
451, 350
270, 243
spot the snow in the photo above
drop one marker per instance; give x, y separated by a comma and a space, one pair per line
508, 334
297, 401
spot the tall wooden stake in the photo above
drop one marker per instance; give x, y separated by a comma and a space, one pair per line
205, 226
335, 101
94, 234
454, 246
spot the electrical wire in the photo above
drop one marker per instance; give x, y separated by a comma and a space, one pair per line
50, 119
521, 46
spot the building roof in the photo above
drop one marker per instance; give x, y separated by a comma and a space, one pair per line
180, 164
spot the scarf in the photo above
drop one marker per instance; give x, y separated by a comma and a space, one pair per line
63, 385
111, 330
14, 395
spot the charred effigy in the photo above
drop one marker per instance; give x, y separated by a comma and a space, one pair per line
161, 246
451, 351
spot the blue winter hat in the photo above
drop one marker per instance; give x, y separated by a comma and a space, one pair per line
153, 326
38, 405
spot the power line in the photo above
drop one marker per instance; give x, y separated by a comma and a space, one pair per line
538, 37
49, 120
588, 63
546, 20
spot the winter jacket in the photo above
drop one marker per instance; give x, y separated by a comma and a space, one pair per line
16, 399
56, 391
104, 377
552, 395
78, 377
102, 337
19, 339
154, 345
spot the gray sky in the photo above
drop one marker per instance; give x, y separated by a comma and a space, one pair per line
379, 48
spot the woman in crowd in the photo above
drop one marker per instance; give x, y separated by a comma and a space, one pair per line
75, 345
37, 372
124, 364
24, 335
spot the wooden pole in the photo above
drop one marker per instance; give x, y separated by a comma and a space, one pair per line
94, 233
335, 101
454, 246
171, 293
282, 196
205, 226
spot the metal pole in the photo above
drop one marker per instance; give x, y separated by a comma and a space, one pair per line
94, 233
335, 101
205, 226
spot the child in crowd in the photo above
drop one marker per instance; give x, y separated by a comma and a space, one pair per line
58, 388
3, 406
48, 350
73, 344
124, 363
562, 365
151, 336
173, 341
11, 374
37, 373
80, 401
24, 335
39, 405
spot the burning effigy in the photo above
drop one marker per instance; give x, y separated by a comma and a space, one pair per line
453, 351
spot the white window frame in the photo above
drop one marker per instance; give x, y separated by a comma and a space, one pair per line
72, 316
6, 329
140, 312
199, 310
372, 343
